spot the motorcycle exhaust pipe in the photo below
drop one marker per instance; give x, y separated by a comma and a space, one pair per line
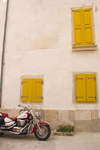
5, 127
10, 132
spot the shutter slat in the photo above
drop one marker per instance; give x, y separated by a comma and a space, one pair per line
27, 90
37, 90
77, 22
91, 88
87, 25
80, 90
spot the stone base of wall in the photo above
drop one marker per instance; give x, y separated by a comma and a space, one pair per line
84, 120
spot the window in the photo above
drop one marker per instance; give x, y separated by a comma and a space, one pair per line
85, 88
83, 29
32, 90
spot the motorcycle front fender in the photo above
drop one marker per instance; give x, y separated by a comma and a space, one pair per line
40, 123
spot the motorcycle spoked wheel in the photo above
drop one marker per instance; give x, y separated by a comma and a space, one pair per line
46, 131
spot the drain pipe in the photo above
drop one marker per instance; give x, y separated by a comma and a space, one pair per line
3, 48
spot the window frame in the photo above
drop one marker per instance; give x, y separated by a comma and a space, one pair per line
83, 47
73, 89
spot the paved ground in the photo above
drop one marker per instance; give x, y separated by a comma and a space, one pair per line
79, 141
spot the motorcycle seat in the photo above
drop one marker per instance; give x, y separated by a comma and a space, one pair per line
13, 119
4, 114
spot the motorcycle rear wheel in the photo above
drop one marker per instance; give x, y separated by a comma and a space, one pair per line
46, 131
1, 134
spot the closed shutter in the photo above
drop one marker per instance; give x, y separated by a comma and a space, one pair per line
37, 90
91, 88
27, 90
77, 18
87, 26
80, 88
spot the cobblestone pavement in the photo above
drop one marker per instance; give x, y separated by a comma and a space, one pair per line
79, 141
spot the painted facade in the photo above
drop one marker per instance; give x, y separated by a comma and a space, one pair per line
39, 44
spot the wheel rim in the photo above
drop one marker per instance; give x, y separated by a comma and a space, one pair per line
44, 133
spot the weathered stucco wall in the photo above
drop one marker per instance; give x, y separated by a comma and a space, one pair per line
39, 43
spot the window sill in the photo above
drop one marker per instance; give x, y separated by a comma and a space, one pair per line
84, 48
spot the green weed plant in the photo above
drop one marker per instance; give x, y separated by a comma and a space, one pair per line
66, 128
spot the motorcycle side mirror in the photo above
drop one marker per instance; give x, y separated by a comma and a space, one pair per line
21, 110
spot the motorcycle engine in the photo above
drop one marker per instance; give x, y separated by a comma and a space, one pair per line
16, 129
20, 123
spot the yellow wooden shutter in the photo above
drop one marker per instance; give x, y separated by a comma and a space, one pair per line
87, 26
91, 88
80, 88
27, 90
77, 22
37, 90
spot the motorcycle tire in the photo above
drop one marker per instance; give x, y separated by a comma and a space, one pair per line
46, 133
1, 134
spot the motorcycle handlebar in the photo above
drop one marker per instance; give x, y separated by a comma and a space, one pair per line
27, 108
19, 105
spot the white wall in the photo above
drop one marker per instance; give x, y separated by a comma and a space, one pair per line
2, 20
39, 42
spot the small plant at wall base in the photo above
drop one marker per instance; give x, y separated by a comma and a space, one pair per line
66, 128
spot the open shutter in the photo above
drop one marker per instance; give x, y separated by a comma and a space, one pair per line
80, 88
91, 88
37, 90
27, 90
87, 27
77, 22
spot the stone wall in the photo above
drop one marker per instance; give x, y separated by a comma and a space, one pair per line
84, 120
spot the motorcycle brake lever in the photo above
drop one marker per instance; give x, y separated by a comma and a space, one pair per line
20, 106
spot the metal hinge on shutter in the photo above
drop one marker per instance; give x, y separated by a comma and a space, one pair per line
75, 10
23, 96
89, 43
79, 97
92, 78
39, 82
93, 97
78, 78
76, 44
39, 97
25, 82
88, 9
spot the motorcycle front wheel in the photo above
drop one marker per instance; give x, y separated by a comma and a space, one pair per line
44, 135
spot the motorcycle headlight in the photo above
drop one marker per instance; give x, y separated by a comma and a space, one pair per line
37, 114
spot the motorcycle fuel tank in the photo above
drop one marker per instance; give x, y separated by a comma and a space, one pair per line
24, 115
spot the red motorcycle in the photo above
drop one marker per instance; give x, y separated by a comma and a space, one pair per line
26, 123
